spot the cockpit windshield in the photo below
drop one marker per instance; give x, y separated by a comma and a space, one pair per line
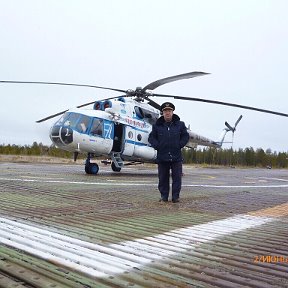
68, 120
97, 127
82, 123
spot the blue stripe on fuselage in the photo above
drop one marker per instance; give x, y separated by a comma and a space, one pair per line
136, 143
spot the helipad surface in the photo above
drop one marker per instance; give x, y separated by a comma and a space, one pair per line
63, 228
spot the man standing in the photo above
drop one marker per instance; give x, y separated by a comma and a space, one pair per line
168, 136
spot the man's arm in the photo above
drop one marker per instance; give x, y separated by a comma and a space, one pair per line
153, 138
184, 136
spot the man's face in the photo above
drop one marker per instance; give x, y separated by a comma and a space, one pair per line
167, 114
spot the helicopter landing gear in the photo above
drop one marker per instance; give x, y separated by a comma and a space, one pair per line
91, 168
114, 168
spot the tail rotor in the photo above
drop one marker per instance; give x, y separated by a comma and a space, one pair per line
232, 129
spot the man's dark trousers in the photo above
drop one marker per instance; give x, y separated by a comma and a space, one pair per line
164, 177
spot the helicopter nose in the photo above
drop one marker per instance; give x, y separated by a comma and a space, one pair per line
61, 135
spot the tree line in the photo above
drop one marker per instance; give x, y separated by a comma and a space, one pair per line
224, 157
242, 157
35, 149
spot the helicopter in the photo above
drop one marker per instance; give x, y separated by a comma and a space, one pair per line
118, 127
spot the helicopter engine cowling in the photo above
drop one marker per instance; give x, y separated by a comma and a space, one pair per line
107, 104
102, 105
98, 105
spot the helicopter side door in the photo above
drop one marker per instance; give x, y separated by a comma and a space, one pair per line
129, 141
124, 139
118, 137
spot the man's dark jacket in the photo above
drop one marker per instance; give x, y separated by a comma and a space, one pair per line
168, 138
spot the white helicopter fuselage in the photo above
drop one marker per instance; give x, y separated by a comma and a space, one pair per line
121, 127
116, 129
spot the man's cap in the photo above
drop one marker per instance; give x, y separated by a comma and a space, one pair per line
167, 105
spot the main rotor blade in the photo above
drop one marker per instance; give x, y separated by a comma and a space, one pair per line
222, 103
163, 81
153, 103
62, 84
80, 106
51, 116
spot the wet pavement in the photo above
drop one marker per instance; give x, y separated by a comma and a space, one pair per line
63, 228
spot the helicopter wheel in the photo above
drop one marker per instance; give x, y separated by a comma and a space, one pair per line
114, 168
92, 168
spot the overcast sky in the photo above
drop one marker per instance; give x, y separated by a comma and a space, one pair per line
129, 43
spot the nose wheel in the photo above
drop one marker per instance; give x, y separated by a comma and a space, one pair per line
91, 168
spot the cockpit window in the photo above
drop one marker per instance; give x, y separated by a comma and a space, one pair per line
83, 124
68, 119
72, 120
75, 121
97, 127
61, 120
